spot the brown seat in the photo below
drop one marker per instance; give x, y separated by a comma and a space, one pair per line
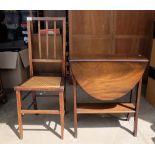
42, 83
45, 57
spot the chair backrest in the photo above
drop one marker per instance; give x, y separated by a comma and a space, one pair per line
46, 45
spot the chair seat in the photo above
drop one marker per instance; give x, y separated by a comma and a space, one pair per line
41, 83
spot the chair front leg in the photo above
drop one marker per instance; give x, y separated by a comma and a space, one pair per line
61, 102
19, 107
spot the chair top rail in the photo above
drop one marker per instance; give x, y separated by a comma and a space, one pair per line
45, 18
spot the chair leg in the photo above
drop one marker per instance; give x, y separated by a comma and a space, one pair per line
75, 109
18, 96
137, 108
61, 102
34, 100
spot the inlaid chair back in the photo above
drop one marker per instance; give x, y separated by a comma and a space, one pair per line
46, 44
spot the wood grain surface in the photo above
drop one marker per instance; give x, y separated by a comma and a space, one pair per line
107, 80
105, 108
99, 32
44, 46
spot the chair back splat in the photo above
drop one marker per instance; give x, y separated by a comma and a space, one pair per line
46, 44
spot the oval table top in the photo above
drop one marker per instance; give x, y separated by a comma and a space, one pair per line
105, 80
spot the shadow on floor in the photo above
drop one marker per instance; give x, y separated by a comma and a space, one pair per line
8, 115
91, 121
153, 128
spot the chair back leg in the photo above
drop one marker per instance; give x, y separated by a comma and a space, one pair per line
61, 102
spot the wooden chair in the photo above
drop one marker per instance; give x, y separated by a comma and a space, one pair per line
46, 55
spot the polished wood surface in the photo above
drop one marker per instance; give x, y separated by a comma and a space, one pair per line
89, 32
105, 108
107, 80
96, 32
112, 58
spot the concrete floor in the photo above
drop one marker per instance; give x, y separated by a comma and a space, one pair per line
91, 128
